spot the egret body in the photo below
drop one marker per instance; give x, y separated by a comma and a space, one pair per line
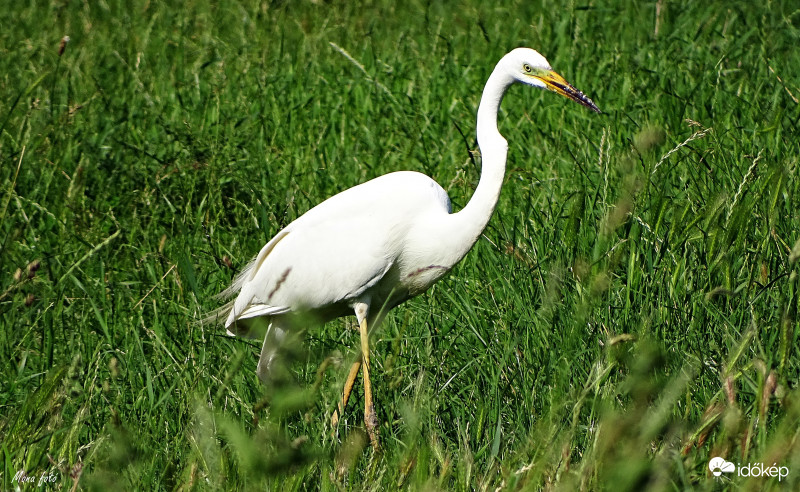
373, 246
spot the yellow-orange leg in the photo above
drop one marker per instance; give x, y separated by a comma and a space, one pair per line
348, 387
370, 418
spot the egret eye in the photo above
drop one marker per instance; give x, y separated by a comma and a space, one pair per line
527, 68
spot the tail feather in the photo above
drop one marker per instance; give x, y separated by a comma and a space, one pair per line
245, 320
238, 281
216, 316
248, 323
220, 314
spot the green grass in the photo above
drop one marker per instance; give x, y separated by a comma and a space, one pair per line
630, 312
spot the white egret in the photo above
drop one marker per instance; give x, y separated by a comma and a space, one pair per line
373, 246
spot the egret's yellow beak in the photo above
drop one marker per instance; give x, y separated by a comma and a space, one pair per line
557, 84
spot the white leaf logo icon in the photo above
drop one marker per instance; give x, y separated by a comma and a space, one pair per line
718, 466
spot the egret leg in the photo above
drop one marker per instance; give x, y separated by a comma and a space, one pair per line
370, 418
348, 387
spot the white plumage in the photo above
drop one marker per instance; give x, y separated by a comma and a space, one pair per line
351, 244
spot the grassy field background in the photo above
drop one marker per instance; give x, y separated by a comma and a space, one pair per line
629, 313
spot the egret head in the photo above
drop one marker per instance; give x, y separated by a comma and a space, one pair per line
528, 67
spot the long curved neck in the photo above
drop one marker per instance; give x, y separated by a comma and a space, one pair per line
472, 219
